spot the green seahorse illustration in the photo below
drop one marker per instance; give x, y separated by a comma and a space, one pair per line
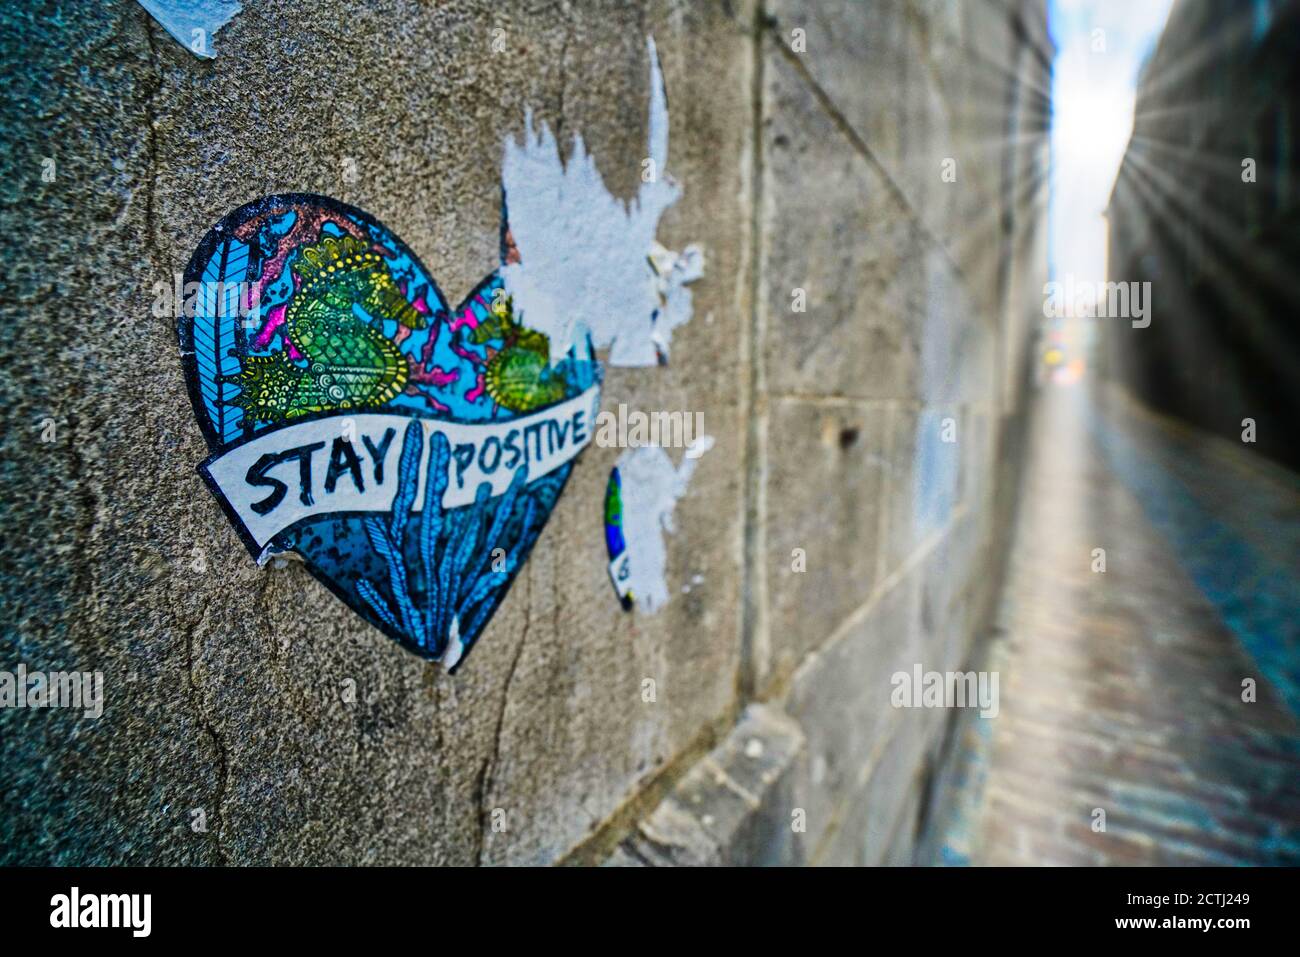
518, 376
351, 364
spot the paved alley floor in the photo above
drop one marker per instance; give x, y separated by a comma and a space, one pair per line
1123, 736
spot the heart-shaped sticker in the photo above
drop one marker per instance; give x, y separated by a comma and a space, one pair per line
410, 453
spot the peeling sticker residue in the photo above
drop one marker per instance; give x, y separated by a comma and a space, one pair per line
589, 263
673, 273
193, 22
649, 489
588, 269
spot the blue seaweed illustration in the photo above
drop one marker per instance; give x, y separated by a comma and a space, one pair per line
216, 324
458, 585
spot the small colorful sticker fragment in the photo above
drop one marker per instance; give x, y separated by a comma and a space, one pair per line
620, 573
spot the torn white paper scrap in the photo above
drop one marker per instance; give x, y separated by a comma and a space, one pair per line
589, 262
651, 488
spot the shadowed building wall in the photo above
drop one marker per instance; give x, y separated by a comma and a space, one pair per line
1206, 208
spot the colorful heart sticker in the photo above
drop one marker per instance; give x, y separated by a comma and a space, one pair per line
408, 452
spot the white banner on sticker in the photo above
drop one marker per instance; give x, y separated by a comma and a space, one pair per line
347, 463
620, 573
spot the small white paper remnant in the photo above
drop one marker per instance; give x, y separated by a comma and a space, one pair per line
193, 23
652, 486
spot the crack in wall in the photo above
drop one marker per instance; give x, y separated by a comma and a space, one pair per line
564, 86
210, 729
487, 773
151, 121
84, 582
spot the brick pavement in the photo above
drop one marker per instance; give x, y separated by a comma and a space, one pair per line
1121, 691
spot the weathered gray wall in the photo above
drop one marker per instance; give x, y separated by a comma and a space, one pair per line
817, 170
921, 292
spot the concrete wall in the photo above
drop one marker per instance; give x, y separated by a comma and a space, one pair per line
818, 170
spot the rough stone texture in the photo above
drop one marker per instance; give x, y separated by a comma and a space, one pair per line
841, 696
224, 681
886, 463
832, 521
851, 260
